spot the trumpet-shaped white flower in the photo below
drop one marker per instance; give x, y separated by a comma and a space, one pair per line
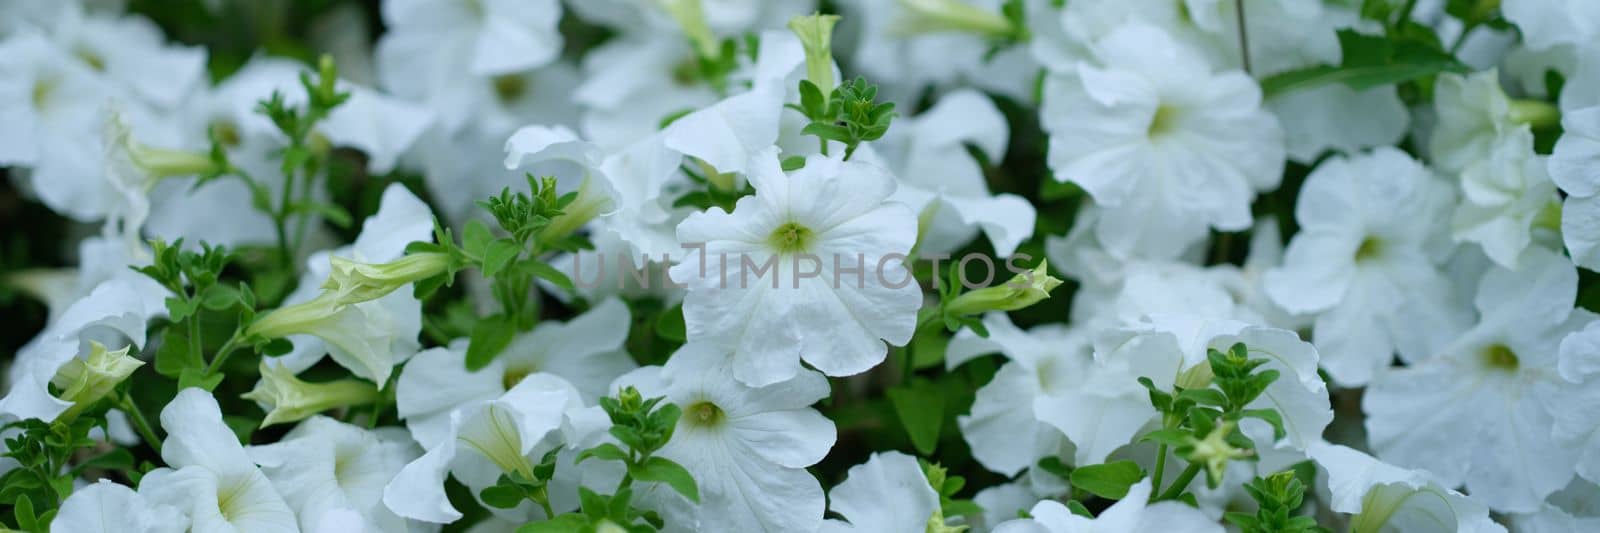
1473, 113
211, 479
493, 36
729, 134
106, 507
833, 215
1504, 196
944, 184
486, 438
1575, 167
887, 494
325, 467
586, 351
1005, 432
1132, 514
747, 447
369, 338
1548, 23
1570, 509
1163, 144
1480, 412
1384, 497
1171, 349
1365, 260
116, 313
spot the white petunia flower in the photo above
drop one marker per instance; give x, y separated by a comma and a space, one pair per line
747, 447
106, 507
211, 479
1366, 260
1504, 197
1575, 508
944, 184
1383, 497
1003, 428
586, 351
486, 438
904, 54
796, 237
1163, 144
492, 36
369, 338
1548, 23
1480, 412
324, 467
1132, 514
1336, 117
1474, 112
887, 494
729, 134
1171, 349
1575, 167
633, 83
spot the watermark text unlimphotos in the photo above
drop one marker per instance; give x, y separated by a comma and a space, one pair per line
745, 270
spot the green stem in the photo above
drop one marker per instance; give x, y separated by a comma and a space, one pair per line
1161, 467
222, 354
125, 402
196, 358
1181, 483
1244, 35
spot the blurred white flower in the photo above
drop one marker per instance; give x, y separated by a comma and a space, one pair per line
1383, 497
209, 476
106, 507
324, 467
1132, 514
887, 494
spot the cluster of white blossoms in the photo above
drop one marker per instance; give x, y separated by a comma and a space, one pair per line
718, 265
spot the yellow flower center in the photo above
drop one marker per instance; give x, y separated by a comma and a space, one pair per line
791, 237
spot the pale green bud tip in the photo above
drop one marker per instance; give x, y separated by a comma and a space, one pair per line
816, 36
691, 17
943, 16
1025, 289
286, 398
155, 163
302, 318
84, 381
354, 282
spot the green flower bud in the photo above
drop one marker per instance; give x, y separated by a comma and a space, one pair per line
302, 318
816, 36
286, 398
939, 16
126, 153
354, 282
86, 381
1025, 289
691, 17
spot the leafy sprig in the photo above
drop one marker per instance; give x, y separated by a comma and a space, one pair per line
849, 115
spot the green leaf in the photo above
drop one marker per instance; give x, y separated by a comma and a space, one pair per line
1077, 508
497, 254
116, 459
220, 297
489, 337
793, 163
549, 273
502, 495
663, 470
1110, 480
475, 239
1369, 61
827, 131
197, 377
23, 512
920, 407
1168, 436
670, 326
1211, 397
1271, 417
334, 213
606, 451
173, 355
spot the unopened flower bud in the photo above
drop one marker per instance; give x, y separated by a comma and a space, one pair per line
87, 380
592, 200
1214, 452
691, 17
816, 36
1025, 289
354, 282
127, 155
286, 398
938, 16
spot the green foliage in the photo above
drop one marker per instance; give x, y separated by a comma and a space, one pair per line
199, 297
1278, 497
850, 115
513, 487
42, 479
1373, 61
1109, 480
643, 427
919, 404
